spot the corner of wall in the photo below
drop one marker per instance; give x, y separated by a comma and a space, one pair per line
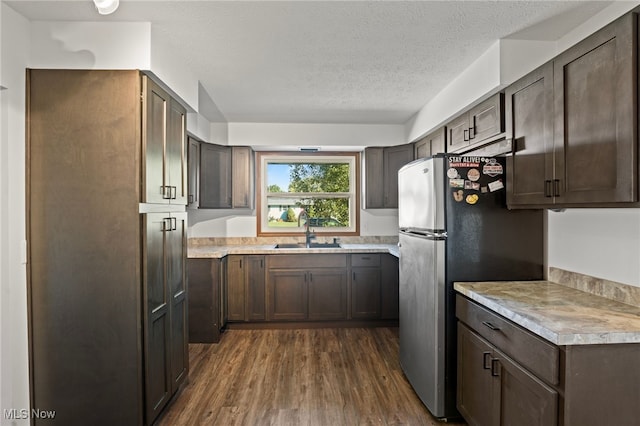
478, 81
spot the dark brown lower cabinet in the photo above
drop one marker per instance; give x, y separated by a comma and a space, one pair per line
205, 278
297, 287
365, 293
327, 291
246, 288
315, 294
390, 287
494, 390
307, 287
288, 295
507, 375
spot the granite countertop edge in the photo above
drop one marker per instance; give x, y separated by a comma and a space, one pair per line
543, 322
218, 252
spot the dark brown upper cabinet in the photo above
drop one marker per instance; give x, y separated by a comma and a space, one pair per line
574, 125
595, 99
242, 168
433, 143
164, 136
529, 124
193, 179
381, 174
226, 176
478, 125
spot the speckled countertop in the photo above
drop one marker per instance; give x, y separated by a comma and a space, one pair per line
222, 251
557, 313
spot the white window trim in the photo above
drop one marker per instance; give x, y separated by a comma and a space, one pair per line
352, 159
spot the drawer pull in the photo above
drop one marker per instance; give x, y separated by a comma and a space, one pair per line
486, 360
491, 326
495, 372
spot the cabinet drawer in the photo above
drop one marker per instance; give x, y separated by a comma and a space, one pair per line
303, 261
365, 259
532, 352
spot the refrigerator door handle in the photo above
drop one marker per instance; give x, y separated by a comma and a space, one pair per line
435, 234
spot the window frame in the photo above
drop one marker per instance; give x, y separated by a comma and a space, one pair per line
265, 157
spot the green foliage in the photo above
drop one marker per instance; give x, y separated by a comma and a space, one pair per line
291, 215
274, 188
319, 178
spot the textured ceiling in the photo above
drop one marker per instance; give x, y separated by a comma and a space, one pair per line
328, 61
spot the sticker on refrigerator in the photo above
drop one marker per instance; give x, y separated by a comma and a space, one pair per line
484, 189
464, 161
456, 183
473, 175
496, 185
452, 173
471, 185
458, 195
492, 169
472, 199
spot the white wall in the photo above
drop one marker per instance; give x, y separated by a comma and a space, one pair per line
603, 243
291, 135
91, 45
502, 64
14, 373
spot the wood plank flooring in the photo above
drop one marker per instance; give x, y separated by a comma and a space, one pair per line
331, 376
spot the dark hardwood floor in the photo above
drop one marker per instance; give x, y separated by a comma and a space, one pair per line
331, 376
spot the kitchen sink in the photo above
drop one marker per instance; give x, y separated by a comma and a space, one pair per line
312, 245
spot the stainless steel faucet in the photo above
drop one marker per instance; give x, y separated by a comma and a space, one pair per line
308, 234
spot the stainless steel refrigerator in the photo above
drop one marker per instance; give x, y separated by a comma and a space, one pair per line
454, 226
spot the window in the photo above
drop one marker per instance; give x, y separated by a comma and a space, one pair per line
318, 191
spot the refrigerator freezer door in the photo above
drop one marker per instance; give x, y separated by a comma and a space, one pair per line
422, 318
421, 195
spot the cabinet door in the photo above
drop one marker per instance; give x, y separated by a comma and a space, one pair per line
486, 119
374, 178
176, 259
215, 176
255, 295
327, 294
476, 399
458, 133
422, 148
438, 141
365, 293
595, 89
154, 119
157, 321
204, 300
431, 144
236, 289
394, 158
242, 171
529, 124
193, 166
176, 153
390, 282
524, 399
288, 295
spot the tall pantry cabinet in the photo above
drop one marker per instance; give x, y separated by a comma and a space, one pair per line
106, 229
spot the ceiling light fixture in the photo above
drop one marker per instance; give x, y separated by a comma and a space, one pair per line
105, 7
